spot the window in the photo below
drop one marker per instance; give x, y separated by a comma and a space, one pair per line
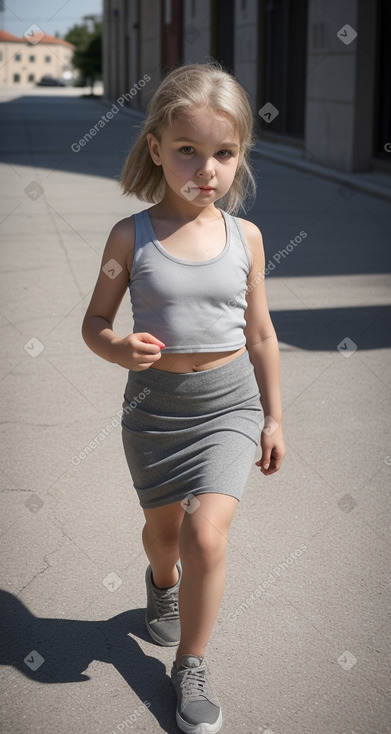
30, 78
18, 57
48, 59
16, 77
285, 44
31, 58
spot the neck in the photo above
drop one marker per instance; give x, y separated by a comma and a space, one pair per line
175, 207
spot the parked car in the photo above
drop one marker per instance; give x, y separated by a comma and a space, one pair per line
50, 81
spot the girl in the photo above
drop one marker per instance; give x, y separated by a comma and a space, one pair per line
203, 349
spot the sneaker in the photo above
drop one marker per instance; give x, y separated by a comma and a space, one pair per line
162, 612
198, 710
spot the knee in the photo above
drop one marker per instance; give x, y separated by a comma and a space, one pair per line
165, 539
203, 547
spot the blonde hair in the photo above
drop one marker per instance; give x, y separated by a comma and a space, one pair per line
182, 90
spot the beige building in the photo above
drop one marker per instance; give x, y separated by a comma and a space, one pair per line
318, 75
27, 59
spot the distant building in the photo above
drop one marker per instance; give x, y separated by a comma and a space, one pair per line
318, 75
90, 21
26, 60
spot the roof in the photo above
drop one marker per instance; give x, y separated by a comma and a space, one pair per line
35, 38
5, 36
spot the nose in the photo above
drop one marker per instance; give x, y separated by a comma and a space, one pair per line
207, 169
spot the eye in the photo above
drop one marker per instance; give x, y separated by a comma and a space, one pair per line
224, 153
187, 149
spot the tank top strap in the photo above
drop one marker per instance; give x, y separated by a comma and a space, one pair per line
237, 234
141, 232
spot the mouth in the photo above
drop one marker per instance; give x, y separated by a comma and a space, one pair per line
206, 188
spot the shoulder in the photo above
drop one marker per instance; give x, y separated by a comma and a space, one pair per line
254, 241
123, 229
120, 244
251, 232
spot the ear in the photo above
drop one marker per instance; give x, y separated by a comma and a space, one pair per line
154, 149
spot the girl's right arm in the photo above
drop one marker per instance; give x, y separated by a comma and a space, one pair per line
136, 351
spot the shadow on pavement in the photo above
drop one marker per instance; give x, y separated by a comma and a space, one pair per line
41, 130
369, 327
68, 646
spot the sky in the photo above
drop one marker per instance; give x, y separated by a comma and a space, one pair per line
49, 15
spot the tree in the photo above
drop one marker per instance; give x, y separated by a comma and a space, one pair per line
88, 55
79, 36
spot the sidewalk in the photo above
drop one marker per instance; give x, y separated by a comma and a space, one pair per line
301, 644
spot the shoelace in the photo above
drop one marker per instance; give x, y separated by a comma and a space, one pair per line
193, 682
167, 603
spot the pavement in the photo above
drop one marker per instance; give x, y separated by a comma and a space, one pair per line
302, 640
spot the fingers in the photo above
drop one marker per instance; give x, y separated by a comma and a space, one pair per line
137, 351
268, 466
147, 338
265, 460
147, 344
147, 349
272, 466
271, 459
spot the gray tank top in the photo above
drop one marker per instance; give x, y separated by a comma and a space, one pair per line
190, 306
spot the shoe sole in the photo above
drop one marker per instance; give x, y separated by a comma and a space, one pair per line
199, 728
159, 640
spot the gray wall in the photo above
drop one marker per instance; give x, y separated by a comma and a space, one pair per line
150, 47
340, 84
340, 77
246, 48
196, 34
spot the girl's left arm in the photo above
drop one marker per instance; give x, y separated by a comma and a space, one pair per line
262, 345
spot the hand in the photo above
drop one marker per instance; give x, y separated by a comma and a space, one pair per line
273, 452
137, 352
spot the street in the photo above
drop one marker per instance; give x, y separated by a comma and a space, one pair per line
302, 639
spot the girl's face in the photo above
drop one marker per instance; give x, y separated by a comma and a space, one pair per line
199, 154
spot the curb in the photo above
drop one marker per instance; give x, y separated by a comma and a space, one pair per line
290, 158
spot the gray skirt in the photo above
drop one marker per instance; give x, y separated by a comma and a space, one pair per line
191, 433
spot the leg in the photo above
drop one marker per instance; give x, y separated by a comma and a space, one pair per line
202, 545
161, 542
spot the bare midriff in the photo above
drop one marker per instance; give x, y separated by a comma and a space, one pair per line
195, 362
